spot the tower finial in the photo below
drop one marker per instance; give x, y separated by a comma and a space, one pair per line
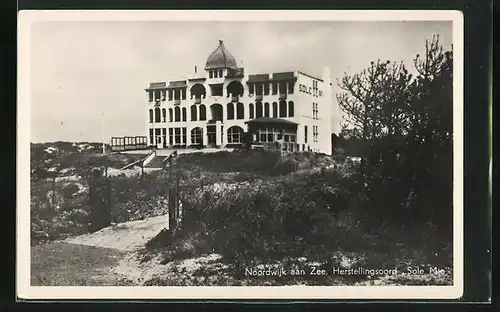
220, 41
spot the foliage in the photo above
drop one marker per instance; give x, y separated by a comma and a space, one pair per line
404, 125
255, 161
269, 218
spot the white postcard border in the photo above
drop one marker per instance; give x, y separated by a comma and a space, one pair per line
26, 291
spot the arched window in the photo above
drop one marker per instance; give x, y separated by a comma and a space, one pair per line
235, 135
240, 111
258, 109
282, 108
230, 111
177, 115
184, 114
151, 118
198, 91
266, 109
164, 113
235, 88
157, 115
194, 112
275, 110
197, 136
170, 115
250, 107
290, 109
203, 112
216, 112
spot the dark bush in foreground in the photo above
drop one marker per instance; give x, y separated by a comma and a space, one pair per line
271, 218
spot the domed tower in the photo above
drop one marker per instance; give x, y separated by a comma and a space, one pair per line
220, 58
220, 63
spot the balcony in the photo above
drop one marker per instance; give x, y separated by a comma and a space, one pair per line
282, 96
177, 101
235, 73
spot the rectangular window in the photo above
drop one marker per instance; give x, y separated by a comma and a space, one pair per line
262, 137
170, 94
275, 88
171, 136
270, 137
266, 89
177, 136
163, 95
258, 89
305, 134
157, 95
287, 138
290, 87
216, 90
251, 88
220, 73
151, 137
183, 93
282, 87
210, 74
158, 135
184, 141
150, 96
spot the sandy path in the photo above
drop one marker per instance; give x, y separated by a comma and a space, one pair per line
127, 236
64, 264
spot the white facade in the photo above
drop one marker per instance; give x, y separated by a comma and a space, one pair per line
213, 107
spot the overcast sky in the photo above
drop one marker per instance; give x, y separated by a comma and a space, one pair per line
80, 70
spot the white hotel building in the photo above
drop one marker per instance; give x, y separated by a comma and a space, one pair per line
220, 105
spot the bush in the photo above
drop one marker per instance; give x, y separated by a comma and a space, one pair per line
69, 190
261, 162
270, 218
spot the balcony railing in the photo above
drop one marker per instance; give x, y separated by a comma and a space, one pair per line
259, 97
282, 96
197, 100
177, 101
234, 98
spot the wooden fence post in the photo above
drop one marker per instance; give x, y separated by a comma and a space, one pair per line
100, 202
54, 192
172, 221
107, 208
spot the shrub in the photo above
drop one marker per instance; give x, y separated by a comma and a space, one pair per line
269, 218
69, 190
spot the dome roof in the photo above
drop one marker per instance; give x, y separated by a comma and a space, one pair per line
220, 58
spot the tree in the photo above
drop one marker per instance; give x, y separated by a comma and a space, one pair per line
405, 125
